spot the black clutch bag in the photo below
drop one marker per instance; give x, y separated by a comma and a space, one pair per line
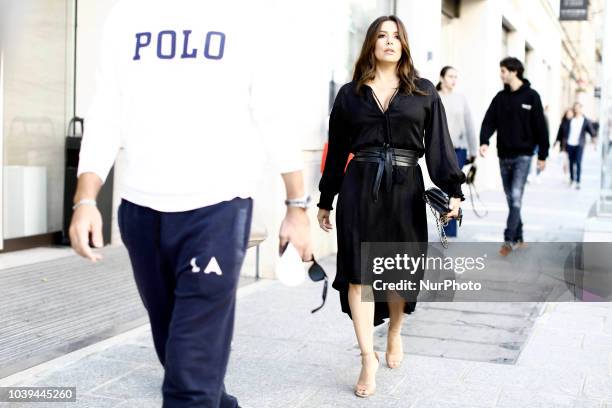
439, 203
438, 200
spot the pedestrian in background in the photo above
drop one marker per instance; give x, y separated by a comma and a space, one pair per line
562, 135
572, 136
460, 126
517, 115
389, 117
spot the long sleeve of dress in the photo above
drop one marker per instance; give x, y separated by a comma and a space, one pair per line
337, 155
470, 134
439, 152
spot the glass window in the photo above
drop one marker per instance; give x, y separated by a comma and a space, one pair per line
37, 50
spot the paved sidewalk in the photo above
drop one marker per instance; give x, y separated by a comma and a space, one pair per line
283, 356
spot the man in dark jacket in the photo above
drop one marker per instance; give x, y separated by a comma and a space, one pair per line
572, 137
516, 113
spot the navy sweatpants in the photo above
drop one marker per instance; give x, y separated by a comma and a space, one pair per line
186, 266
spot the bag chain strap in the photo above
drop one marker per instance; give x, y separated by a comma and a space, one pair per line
439, 224
473, 192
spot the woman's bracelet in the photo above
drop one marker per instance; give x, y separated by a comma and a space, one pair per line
84, 202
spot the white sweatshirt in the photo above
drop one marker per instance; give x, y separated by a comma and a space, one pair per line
187, 89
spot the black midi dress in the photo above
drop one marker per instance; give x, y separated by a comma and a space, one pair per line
414, 122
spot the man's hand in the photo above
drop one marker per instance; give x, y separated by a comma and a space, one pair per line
86, 222
296, 228
323, 218
483, 150
541, 165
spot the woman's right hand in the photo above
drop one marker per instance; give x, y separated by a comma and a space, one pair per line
323, 218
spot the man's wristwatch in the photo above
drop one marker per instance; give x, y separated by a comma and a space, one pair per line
303, 202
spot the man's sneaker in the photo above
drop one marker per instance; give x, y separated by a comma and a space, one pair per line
577, 186
505, 249
572, 184
520, 244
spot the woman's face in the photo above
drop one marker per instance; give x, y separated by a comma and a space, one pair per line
388, 46
449, 80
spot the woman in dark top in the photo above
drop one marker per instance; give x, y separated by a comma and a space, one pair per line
563, 132
388, 117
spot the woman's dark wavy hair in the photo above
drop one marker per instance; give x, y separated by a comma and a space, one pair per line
442, 75
365, 67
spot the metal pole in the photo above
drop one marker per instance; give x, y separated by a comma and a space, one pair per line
74, 72
257, 262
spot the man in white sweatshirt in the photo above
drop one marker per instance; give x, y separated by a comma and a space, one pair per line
180, 86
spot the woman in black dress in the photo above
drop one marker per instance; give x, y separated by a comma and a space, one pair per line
388, 117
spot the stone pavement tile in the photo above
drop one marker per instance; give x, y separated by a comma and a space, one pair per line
287, 395
83, 401
598, 387
253, 347
502, 321
553, 336
434, 403
272, 382
87, 374
502, 308
589, 403
538, 354
144, 382
145, 339
597, 342
141, 403
575, 322
272, 318
462, 332
345, 398
599, 309
559, 381
452, 349
591, 366
431, 369
474, 395
512, 397
135, 353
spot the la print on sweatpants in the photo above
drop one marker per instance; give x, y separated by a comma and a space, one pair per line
186, 266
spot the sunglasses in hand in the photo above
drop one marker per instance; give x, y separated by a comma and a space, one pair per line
316, 274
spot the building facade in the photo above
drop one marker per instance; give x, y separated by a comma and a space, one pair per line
47, 68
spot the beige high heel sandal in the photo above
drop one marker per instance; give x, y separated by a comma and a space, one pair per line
366, 390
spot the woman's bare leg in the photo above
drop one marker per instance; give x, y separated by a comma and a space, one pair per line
362, 313
395, 351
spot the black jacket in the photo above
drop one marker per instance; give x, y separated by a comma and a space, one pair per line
518, 118
564, 130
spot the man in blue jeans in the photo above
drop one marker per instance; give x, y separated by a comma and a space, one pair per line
516, 113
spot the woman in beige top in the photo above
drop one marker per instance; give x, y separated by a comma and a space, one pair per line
460, 126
